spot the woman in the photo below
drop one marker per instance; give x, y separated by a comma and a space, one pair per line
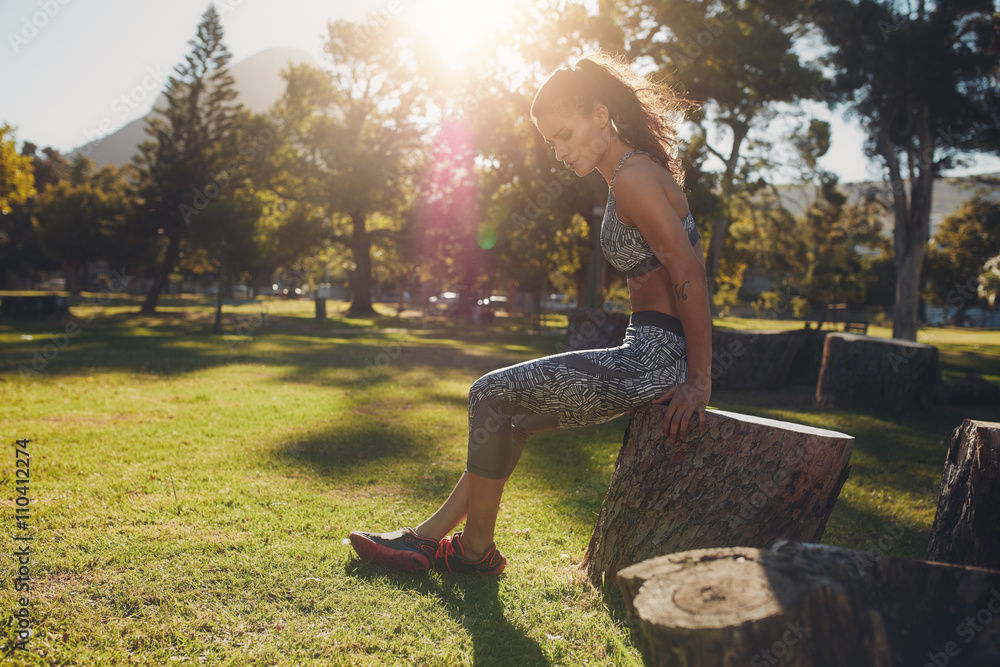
596, 115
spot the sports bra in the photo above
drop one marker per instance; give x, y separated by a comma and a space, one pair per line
624, 245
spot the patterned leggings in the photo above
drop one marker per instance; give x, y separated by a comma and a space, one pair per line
569, 390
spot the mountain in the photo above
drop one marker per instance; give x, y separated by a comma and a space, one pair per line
948, 196
258, 82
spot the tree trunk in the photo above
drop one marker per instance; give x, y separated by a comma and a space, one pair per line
162, 275
912, 222
966, 530
742, 481
72, 272
361, 277
719, 228
807, 605
878, 374
745, 360
217, 327
904, 322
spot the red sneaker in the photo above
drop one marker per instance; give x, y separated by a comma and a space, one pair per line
450, 558
402, 549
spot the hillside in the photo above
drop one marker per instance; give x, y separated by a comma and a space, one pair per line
258, 82
949, 193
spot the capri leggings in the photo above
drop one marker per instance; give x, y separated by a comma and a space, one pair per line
571, 389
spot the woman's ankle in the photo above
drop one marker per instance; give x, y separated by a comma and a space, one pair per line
474, 549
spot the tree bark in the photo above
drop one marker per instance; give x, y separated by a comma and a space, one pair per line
966, 530
162, 275
912, 222
878, 374
591, 328
744, 360
806, 605
742, 481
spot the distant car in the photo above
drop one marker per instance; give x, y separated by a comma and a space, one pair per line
442, 302
558, 303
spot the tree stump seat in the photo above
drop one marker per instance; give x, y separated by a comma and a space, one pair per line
752, 360
878, 374
806, 605
743, 481
966, 527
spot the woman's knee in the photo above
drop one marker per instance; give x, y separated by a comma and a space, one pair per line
485, 387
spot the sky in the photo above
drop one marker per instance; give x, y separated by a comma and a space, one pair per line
67, 66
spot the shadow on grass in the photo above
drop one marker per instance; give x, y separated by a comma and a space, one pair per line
474, 603
177, 349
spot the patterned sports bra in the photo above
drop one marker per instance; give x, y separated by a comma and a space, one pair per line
624, 245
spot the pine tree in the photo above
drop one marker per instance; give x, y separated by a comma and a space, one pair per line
185, 164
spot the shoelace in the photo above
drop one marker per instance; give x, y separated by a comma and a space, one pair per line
446, 548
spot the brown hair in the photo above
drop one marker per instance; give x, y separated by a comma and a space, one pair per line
643, 113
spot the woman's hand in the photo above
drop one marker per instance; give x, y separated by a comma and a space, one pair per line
684, 402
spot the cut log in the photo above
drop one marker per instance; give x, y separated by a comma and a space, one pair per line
966, 527
878, 374
972, 389
808, 605
594, 329
746, 360
743, 481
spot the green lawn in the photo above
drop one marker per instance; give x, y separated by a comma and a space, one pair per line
191, 494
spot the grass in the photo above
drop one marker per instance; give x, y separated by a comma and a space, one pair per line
191, 494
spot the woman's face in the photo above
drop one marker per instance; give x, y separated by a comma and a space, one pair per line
578, 139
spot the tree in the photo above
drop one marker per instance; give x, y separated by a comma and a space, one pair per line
185, 165
17, 183
84, 219
19, 180
963, 245
921, 78
355, 133
736, 58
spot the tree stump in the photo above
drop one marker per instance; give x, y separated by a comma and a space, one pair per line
972, 389
806, 605
743, 481
743, 360
593, 329
878, 374
966, 527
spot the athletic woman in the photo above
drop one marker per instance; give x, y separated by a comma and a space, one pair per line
596, 115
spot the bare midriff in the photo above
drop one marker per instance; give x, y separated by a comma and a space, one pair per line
655, 290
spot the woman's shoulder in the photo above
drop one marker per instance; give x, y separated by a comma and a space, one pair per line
642, 176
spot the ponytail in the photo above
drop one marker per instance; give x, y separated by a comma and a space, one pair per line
643, 114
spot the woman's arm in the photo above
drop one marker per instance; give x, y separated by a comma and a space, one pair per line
641, 199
